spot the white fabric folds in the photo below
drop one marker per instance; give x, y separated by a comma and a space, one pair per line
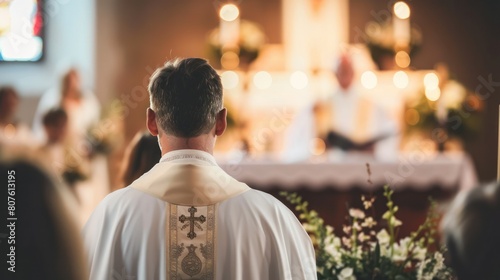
187, 219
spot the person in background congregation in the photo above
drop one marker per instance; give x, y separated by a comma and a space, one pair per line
47, 244
471, 231
15, 137
141, 155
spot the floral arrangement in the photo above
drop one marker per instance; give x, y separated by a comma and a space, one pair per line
107, 134
76, 167
362, 252
456, 114
250, 42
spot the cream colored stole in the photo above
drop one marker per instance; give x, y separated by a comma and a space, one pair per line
192, 186
326, 122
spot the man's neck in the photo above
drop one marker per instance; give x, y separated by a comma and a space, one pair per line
169, 143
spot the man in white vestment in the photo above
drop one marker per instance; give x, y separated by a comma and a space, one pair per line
186, 218
353, 121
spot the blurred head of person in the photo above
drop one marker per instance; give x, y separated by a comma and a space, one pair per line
471, 231
9, 101
71, 86
141, 155
55, 123
186, 109
344, 72
47, 240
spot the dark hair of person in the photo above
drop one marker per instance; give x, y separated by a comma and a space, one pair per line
54, 117
186, 95
471, 231
6, 90
47, 240
142, 154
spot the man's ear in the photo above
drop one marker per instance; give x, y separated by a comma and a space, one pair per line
221, 122
151, 122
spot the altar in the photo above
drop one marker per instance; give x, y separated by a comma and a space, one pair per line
416, 171
334, 183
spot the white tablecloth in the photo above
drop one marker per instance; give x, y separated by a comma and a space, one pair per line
453, 171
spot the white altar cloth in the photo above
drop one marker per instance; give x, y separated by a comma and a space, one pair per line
450, 171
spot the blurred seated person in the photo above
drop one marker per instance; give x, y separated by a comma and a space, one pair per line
471, 231
345, 120
347, 114
53, 152
48, 244
82, 107
142, 154
13, 134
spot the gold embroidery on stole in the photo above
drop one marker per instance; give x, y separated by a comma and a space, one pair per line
191, 242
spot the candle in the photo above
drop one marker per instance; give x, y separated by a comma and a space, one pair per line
401, 25
229, 28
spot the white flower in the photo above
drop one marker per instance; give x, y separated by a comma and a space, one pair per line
334, 251
309, 227
356, 213
367, 203
356, 226
363, 237
329, 230
419, 253
347, 229
400, 252
346, 241
369, 222
383, 237
395, 222
346, 274
439, 262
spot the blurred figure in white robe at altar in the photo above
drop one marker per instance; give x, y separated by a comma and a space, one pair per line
83, 110
82, 107
345, 120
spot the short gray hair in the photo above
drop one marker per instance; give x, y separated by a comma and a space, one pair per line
186, 95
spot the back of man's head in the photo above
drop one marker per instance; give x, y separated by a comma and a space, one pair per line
186, 95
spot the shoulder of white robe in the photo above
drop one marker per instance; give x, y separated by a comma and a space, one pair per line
189, 184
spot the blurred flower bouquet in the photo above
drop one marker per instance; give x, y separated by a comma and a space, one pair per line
250, 41
106, 135
362, 252
76, 167
455, 114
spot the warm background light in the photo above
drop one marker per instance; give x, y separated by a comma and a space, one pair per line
432, 94
299, 80
369, 80
230, 60
318, 146
402, 10
402, 59
431, 81
262, 80
230, 80
229, 12
412, 116
400, 79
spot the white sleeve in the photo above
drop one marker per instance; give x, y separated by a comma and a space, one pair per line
101, 241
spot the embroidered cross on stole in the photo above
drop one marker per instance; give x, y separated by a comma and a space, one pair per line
191, 242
